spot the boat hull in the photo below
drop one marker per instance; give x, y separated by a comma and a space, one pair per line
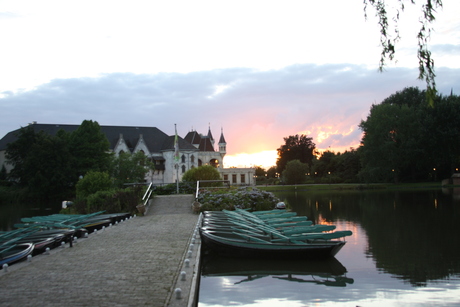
235, 248
16, 253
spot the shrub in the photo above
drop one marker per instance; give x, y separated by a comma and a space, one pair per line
205, 172
244, 198
93, 182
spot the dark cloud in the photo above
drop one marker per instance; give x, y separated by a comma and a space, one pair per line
255, 108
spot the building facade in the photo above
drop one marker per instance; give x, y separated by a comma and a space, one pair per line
195, 149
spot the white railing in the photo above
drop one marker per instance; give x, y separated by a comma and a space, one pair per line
147, 194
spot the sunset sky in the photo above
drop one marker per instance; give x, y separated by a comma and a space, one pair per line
259, 70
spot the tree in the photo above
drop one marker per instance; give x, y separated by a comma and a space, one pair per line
260, 171
296, 147
295, 172
441, 131
348, 165
405, 139
205, 172
90, 148
391, 138
388, 41
130, 168
326, 164
271, 172
41, 162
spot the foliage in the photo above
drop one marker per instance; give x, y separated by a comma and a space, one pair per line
93, 182
271, 172
388, 41
295, 172
90, 148
406, 140
110, 201
205, 172
296, 147
49, 166
260, 171
130, 168
168, 189
244, 198
42, 163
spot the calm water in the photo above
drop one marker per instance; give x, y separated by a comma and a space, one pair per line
12, 213
405, 251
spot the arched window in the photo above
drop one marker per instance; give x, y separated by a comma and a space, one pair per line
214, 162
192, 159
183, 169
183, 158
200, 163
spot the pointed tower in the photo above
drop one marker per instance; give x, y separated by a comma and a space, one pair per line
222, 143
210, 136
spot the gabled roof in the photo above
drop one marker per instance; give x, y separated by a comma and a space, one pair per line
203, 143
155, 139
193, 137
183, 144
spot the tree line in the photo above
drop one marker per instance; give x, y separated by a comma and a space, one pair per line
405, 139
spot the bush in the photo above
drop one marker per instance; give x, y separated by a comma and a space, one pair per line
93, 182
205, 172
111, 201
184, 188
244, 198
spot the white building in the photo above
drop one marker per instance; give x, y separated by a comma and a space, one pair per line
195, 150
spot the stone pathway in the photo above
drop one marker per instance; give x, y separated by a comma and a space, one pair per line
134, 263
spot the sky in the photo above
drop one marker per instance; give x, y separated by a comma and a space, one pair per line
259, 71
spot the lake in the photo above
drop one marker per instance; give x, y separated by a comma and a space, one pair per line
404, 251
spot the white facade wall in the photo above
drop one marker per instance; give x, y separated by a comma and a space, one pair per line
239, 176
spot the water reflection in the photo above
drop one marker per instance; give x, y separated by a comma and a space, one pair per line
410, 234
404, 252
328, 272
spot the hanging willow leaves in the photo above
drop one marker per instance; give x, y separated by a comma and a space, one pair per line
389, 40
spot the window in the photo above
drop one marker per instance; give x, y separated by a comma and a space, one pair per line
225, 177
183, 169
192, 159
234, 178
183, 159
243, 178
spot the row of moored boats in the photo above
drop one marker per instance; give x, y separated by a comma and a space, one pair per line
274, 234
36, 235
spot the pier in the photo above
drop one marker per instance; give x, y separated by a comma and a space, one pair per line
144, 261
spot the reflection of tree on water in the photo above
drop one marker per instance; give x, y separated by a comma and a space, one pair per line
411, 234
328, 272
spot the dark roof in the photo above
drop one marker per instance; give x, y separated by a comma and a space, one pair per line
155, 139
204, 143
183, 144
222, 139
193, 137
210, 134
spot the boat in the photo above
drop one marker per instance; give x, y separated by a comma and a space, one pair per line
13, 253
247, 235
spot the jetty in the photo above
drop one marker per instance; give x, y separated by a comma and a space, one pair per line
150, 260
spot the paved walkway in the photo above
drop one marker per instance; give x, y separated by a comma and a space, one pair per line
135, 263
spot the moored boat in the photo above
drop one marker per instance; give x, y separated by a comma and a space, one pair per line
243, 234
14, 253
